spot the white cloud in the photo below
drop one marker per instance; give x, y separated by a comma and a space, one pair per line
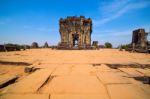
116, 33
117, 8
113, 33
117, 37
109, 8
122, 33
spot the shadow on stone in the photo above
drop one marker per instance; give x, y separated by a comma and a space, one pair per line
136, 65
14, 63
96, 65
8, 82
143, 79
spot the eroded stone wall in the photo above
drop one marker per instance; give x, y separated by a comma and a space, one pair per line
75, 32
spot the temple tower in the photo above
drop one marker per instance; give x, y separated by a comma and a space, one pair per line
75, 32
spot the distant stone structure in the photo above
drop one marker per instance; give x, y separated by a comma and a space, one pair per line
34, 45
95, 45
2, 48
139, 38
139, 41
75, 33
46, 45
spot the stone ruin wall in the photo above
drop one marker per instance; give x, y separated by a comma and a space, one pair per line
139, 39
139, 42
75, 32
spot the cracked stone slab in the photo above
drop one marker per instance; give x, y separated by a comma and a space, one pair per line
113, 77
62, 71
86, 70
145, 72
131, 72
31, 83
78, 96
105, 68
75, 85
24, 96
126, 91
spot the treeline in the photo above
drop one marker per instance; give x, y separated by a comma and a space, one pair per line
124, 46
13, 47
18, 47
108, 45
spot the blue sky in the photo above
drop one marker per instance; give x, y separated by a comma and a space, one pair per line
26, 21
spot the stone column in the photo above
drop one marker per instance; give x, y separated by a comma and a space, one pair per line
88, 38
71, 39
80, 40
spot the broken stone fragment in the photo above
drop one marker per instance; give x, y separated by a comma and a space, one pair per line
146, 80
30, 69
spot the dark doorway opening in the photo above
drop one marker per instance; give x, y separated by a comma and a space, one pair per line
75, 39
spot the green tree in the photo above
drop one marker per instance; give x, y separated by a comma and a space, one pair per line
16, 46
108, 45
125, 46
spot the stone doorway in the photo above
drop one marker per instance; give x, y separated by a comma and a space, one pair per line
75, 39
75, 32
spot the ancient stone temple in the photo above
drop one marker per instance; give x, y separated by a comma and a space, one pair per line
139, 38
75, 32
139, 41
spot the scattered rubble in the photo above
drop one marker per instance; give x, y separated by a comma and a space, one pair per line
30, 69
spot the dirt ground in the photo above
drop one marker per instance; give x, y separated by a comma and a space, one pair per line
75, 74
